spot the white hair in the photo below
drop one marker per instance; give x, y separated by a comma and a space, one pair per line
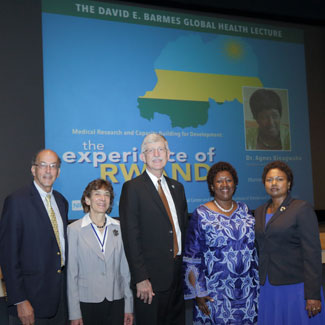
152, 138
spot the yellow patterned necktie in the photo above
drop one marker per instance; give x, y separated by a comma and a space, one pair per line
54, 223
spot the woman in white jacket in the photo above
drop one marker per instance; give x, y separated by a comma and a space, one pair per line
98, 273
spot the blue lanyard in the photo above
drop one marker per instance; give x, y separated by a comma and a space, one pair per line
100, 242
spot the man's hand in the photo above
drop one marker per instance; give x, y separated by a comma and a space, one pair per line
77, 322
26, 313
144, 291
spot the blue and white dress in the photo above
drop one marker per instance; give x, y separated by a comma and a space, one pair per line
221, 254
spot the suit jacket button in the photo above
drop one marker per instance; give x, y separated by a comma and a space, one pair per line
170, 231
170, 250
59, 271
58, 253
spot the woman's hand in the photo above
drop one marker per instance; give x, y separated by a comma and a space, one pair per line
313, 307
128, 319
202, 305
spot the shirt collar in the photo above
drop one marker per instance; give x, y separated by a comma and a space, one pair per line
154, 178
42, 193
87, 221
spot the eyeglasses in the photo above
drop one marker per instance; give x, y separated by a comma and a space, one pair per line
44, 165
152, 150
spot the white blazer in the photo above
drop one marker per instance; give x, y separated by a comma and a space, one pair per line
92, 274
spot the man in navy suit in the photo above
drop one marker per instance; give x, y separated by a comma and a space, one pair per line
32, 253
153, 234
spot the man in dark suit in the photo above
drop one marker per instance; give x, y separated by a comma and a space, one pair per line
32, 247
153, 213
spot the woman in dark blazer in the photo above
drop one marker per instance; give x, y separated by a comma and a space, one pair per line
289, 254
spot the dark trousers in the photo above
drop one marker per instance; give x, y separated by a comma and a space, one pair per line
167, 307
4, 317
61, 317
103, 313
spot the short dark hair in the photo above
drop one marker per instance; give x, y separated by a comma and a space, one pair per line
264, 99
279, 165
94, 185
219, 167
34, 158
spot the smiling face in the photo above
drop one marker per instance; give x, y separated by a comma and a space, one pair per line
277, 184
98, 201
223, 186
155, 157
46, 169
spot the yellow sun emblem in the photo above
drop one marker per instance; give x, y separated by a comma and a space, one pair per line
234, 50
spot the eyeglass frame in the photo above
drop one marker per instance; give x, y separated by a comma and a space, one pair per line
152, 150
44, 165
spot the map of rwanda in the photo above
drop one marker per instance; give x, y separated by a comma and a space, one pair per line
184, 96
192, 71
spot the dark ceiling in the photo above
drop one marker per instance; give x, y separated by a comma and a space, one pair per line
303, 11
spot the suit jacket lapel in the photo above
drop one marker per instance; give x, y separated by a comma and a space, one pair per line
62, 211
153, 193
111, 242
41, 210
61, 207
279, 211
91, 240
38, 202
261, 218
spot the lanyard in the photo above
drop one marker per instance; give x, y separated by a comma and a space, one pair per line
101, 243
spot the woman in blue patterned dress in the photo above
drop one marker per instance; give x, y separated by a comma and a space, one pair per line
220, 258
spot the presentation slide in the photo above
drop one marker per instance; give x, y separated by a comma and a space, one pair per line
217, 89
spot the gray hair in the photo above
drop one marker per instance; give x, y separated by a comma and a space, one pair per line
152, 138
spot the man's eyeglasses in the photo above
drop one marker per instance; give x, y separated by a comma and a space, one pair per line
43, 165
152, 150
